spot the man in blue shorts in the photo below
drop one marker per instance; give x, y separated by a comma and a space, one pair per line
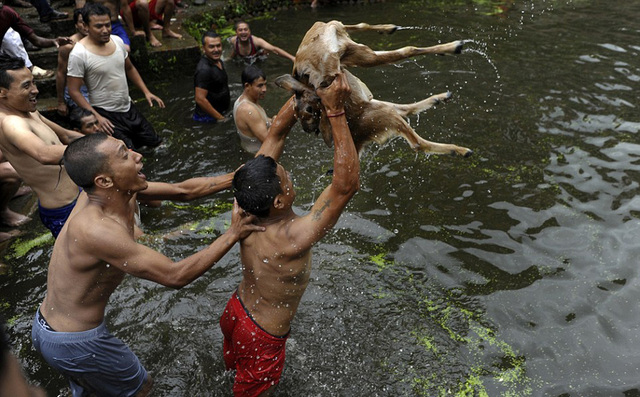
91, 256
34, 145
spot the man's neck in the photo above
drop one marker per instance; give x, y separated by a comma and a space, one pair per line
114, 202
249, 98
9, 111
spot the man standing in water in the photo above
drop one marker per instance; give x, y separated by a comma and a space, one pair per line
90, 258
251, 120
34, 145
249, 47
102, 63
211, 84
277, 263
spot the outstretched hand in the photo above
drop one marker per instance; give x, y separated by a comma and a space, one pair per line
242, 222
60, 41
334, 96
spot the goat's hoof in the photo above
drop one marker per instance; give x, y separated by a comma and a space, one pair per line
458, 49
468, 154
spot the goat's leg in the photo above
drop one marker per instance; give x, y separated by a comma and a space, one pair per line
408, 109
420, 144
360, 55
385, 28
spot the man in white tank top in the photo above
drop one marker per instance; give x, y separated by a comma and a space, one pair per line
250, 118
101, 61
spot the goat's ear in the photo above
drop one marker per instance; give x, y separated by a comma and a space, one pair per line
289, 83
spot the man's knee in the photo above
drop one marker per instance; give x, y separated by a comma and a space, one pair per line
142, 5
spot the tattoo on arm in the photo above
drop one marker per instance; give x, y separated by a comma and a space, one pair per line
318, 214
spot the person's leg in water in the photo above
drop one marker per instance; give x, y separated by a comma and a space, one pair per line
9, 185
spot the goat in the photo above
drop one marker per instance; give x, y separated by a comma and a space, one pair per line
324, 51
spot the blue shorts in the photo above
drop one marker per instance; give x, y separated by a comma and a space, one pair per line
55, 218
94, 361
118, 30
204, 119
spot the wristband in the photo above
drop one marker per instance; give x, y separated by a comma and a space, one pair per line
335, 114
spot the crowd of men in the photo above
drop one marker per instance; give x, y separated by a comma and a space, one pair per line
89, 180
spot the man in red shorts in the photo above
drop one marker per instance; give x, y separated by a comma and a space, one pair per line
145, 12
277, 262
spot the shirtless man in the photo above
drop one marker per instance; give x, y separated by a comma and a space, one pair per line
34, 145
63, 61
249, 47
250, 118
90, 258
277, 263
83, 121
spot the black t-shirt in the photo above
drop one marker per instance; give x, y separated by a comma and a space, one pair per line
213, 79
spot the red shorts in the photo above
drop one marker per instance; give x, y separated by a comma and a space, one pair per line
256, 355
152, 12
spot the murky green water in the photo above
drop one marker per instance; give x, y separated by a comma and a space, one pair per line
512, 273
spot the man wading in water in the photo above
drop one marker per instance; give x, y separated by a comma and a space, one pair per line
277, 263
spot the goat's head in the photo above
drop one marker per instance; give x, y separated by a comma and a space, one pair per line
307, 104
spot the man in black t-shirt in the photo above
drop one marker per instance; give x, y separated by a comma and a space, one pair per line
211, 83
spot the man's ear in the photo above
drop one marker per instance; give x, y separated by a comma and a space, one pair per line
3, 92
277, 203
103, 181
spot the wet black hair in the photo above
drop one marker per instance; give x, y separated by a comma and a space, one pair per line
91, 9
8, 62
256, 184
76, 116
76, 14
209, 33
252, 73
83, 161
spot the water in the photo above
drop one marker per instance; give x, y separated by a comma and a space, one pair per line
510, 273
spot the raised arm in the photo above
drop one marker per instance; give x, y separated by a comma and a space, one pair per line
187, 190
111, 242
282, 123
262, 43
346, 169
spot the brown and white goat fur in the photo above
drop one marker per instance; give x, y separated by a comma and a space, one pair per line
323, 52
